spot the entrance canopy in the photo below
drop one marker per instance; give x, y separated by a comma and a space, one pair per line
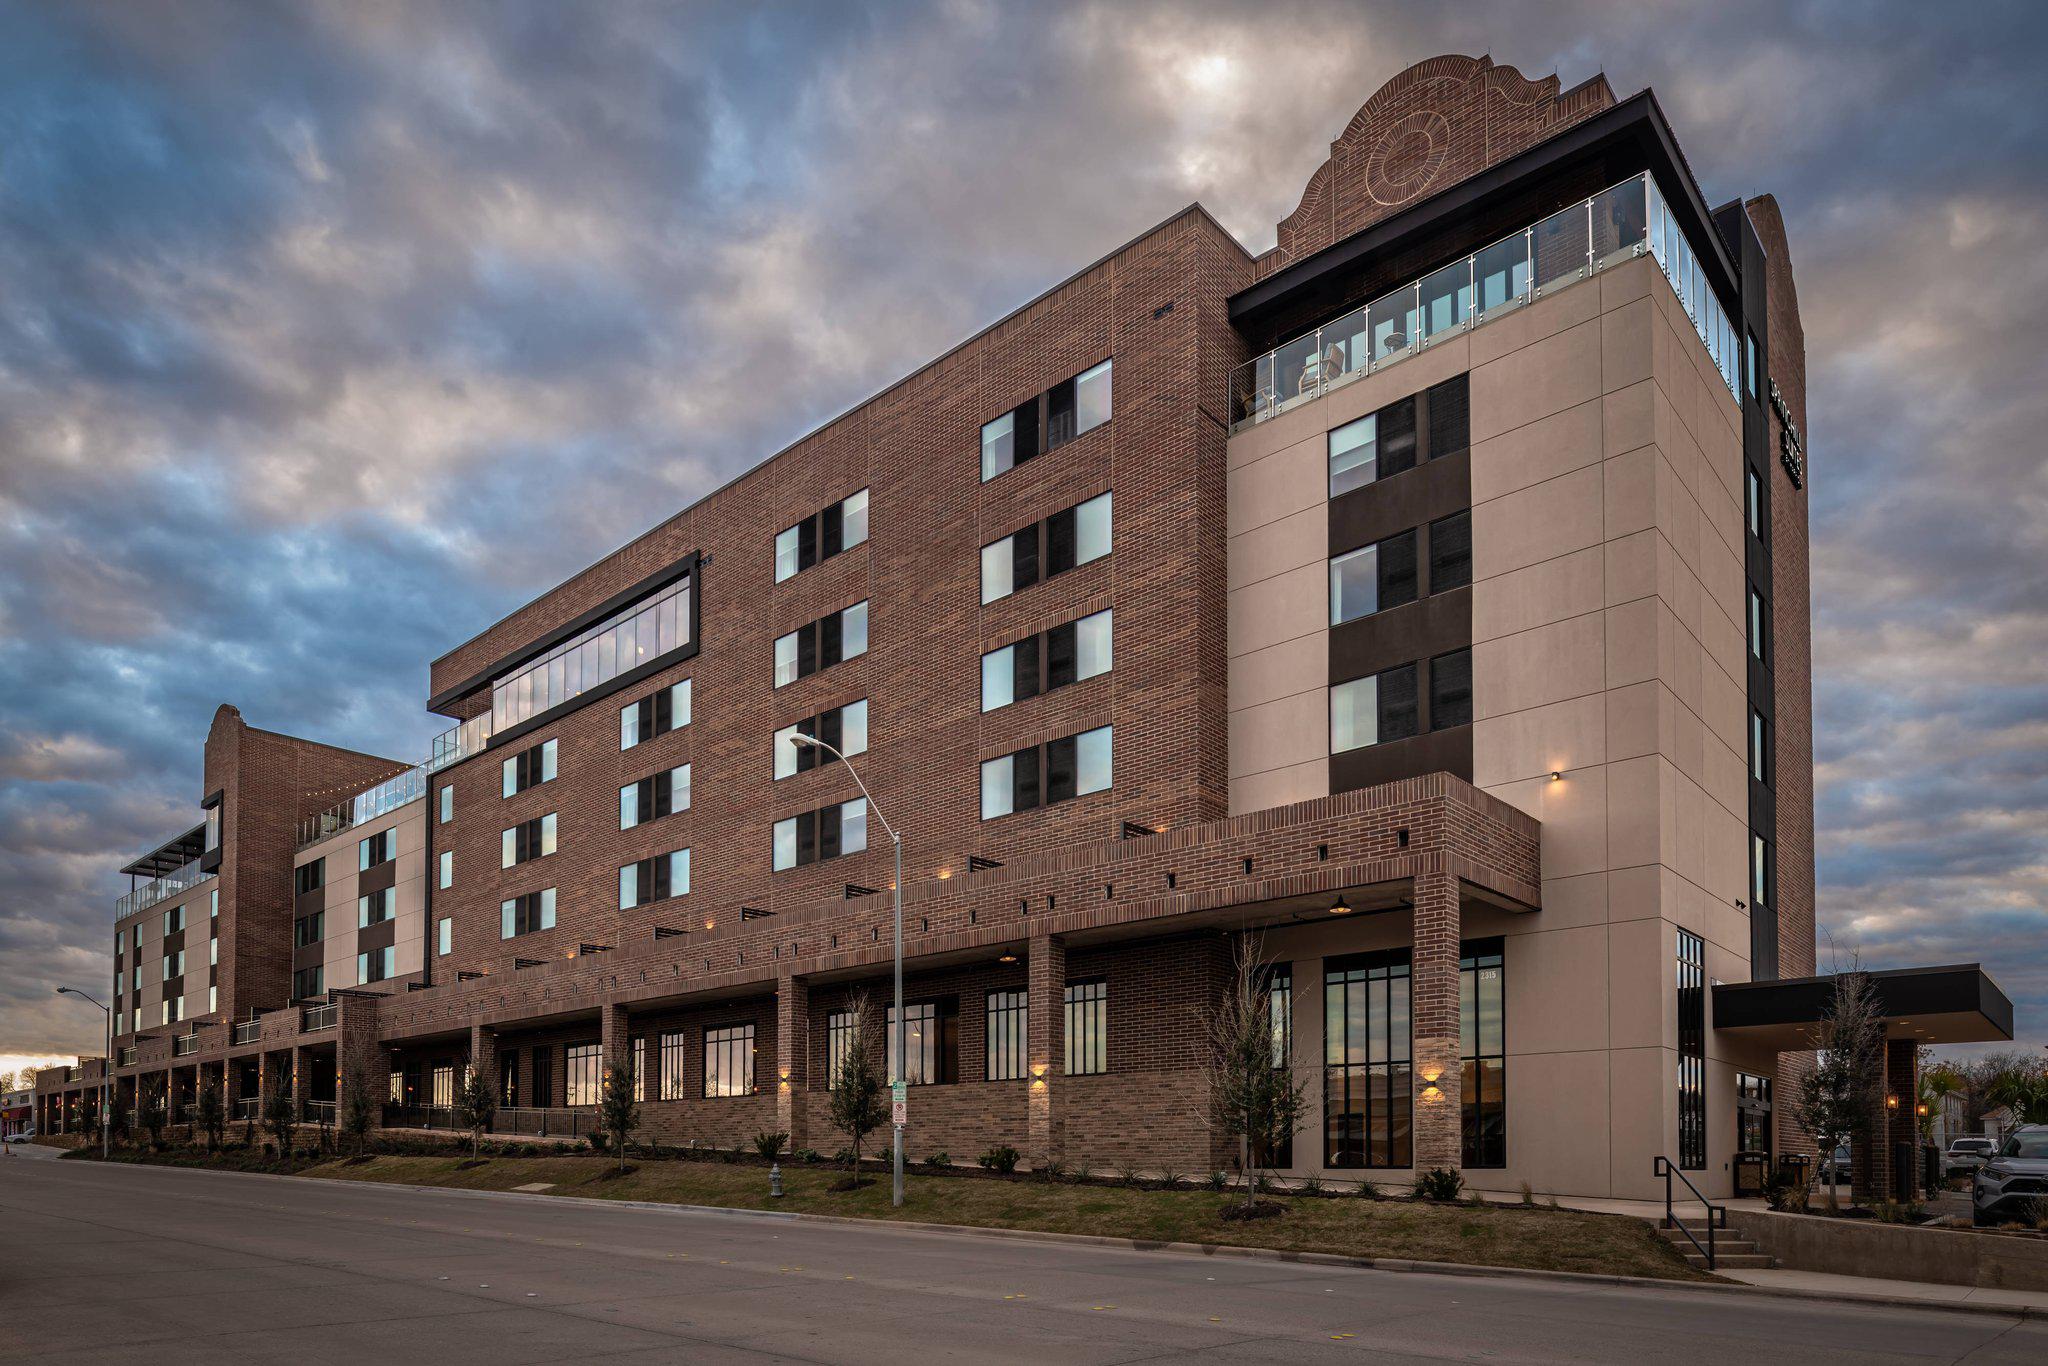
1958, 1004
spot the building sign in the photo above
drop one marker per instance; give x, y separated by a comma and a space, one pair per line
1789, 450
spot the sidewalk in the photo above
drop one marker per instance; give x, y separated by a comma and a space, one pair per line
1867, 1287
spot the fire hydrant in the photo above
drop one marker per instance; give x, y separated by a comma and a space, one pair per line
775, 1180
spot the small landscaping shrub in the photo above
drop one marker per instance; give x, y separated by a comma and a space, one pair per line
1895, 1212
1528, 1194
936, 1160
1369, 1190
1440, 1184
1128, 1174
807, 1155
1219, 1180
770, 1146
1173, 1180
597, 1140
1052, 1169
1312, 1185
1001, 1159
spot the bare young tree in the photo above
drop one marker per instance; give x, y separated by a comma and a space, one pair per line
155, 1115
475, 1104
857, 1108
211, 1113
617, 1110
1255, 1095
358, 1112
1837, 1098
281, 1115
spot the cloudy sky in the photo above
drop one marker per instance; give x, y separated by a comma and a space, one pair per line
309, 315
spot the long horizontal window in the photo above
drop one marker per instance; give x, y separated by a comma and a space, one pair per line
618, 644
1048, 773
844, 728
654, 879
815, 836
1066, 654
820, 644
1046, 422
1063, 541
825, 533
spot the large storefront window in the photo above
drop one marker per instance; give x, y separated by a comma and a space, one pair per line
585, 1064
1367, 1073
1482, 1013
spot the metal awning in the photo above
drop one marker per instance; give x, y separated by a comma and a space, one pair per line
172, 855
1955, 1004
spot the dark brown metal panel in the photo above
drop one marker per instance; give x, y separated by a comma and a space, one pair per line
1439, 751
377, 879
1413, 632
381, 935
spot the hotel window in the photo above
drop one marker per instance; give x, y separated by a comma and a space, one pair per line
640, 1068
844, 728
931, 1043
673, 1050
308, 930
1372, 578
1749, 362
1450, 690
1087, 1005
816, 836
213, 904
379, 848
729, 1061
1756, 625
308, 983
1042, 775
1692, 1052
374, 909
527, 840
1007, 1032
582, 1073
1450, 552
1367, 1071
508, 1077
1759, 870
1753, 1114
309, 877
1386, 442
655, 797
212, 999
377, 964
1061, 542
1759, 746
823, 534
842, 1036
213, 952
447, 869
1067, 410
525, 914
529, 768
656, 714
447, 799
174, 964
820, 644
136, 983
1754, 501
1482, 1017
654, 879
444, 936
1066, 654
1373, 710
174, 920
172, 1010
444, 1085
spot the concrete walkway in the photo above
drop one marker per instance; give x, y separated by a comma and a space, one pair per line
1919, 1292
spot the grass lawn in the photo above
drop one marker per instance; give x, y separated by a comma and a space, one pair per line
1544, 1239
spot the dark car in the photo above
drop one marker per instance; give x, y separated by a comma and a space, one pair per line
2012, 1186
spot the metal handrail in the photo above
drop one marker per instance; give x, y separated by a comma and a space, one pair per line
1717, 1215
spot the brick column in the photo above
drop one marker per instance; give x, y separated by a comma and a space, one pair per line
1434, 987
793, 1058
1045, 1048
612, 1034
1902, 1082
1870, 1152
302, 1075
483, 1055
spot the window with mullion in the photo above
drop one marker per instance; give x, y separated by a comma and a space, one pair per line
1087, 1027
1368, 1119
729, 1061
1008, 1019
1066, 540
1482, 1014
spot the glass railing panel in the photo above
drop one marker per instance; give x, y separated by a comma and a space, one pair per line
1391, 323
1295, 372
1347, 352
1559, 246
1620, 220
1501, 274
1445, 299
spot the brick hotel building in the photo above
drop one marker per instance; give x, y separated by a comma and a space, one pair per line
1427, 595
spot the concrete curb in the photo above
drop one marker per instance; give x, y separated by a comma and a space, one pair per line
1257, 1254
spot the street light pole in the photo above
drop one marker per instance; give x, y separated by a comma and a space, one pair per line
897, 1036
106, 1068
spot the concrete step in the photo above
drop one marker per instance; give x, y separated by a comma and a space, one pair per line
1730, 1261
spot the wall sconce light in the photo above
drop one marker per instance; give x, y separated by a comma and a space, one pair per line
1037, 1071
1339, 908
1556, 776
945, 873
1430, 1088
1921, 1109
1891, 1102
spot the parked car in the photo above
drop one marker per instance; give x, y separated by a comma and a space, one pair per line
2012, 1185
1834, 1169
27, 1135
1965, 1155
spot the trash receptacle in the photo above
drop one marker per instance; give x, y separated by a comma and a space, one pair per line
1751, 1169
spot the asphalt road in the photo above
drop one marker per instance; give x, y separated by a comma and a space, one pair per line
115, 1264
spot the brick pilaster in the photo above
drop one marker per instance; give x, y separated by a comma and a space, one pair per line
792, 1058
483, 1054
1438, 1123
1045, 1047
302, 1077
615, 1037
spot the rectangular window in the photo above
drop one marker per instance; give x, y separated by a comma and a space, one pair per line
1372, 579
379, 848
213, 952
583, 1073
308, 930
1482, 1018
308, 983
640, 1068
931, 1043
1692, 1052
527, 840
444, 1085
729, 1061
1450, 690
1373, 710
674, 1050
815, 836
1759, 746
174, 964
508, 1077
1006, 1035
1367, 1062
654, 879
820, 644
529, 768
1087, 1006
174, 920
842, 1036
444, 936
1068, 653
656, 714
844, 728
376, 965
1759, 870
374, 909
1756, 624
825, 533
526, 914
1450, 552
1353, 451
655, 797
1754, 501
1749, 363
309, 877
1063, 541
447, 799
1055, 771
1065, 411
447, 869
1753, 1114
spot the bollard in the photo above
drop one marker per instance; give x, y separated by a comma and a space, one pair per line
775, 1180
